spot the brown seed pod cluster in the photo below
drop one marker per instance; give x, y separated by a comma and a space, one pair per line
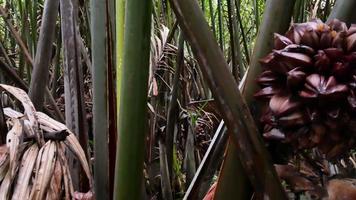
309, 87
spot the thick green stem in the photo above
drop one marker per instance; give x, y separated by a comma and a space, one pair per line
120, 27
133, 101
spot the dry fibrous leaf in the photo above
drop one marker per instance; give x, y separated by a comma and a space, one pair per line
4, 161
44, 170
22, 186
33, 166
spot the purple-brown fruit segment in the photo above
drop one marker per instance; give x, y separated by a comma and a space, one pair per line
351, 30
281, 62
292, 120
311, 38
311, 87
326, 39
341, 71
268, 119
350, 58
338, 39
267, 78
295, 78
274, 134
337, 25
281, 41
266, 93
293, 59
322, 61
351, 42
326, 88
296, 32
268, 60
351, 99
334, 54
295, 48
351, 38
333, 90
282, 105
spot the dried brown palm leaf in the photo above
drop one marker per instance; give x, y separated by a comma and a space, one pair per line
34, 162
44, 171
4, 161
22, 187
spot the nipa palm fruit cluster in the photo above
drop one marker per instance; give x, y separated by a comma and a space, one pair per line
309, 87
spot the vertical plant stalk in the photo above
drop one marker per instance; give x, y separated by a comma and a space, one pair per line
40, 72
276, 19
221, 31
173, 108
166, 188
343, 10
33, 23
212, 21
237, 53
56, 66
189, 162
120, 27
133, 101
24, 34
234, 41
100, 98
203, 6
252, 152
73, 81
112, 106
297, 11
257, 14
244, 40
119, 47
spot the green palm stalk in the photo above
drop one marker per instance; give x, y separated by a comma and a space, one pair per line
100, 98
133, 101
